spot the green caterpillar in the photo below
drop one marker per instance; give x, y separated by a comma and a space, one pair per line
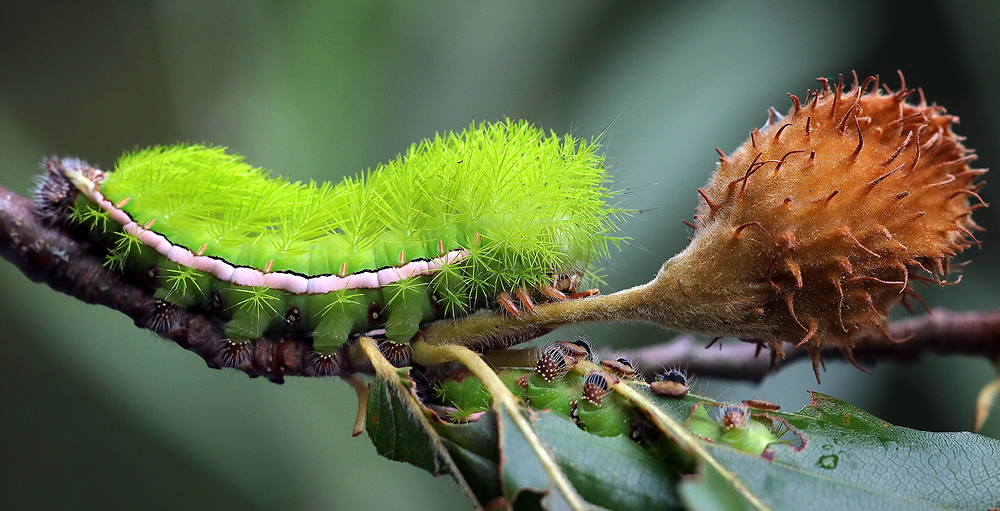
459, 222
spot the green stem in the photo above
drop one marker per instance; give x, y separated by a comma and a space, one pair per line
385, 370
687, 294
503, 398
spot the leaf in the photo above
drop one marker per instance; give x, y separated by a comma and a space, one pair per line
850, 459
528, 466
536, 467
710, 490
394, 430
854, 457
834, 456
399, 426
474, 448
597, 466
594, 465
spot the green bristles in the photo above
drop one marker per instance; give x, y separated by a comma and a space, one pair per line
535, 201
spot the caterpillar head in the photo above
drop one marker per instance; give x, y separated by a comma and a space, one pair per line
815, 227
54, 194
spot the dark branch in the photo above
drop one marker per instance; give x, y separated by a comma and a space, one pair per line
68, 263
941, 332
51, 254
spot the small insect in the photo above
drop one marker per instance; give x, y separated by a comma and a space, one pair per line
738, 425
553, 363
621, 366
760, 404
672, 383
578, 349
598, 411
734, 417
546, 388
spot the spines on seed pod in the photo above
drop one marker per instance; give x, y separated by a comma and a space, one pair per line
815, 227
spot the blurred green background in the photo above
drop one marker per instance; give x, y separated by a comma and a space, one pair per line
98, 414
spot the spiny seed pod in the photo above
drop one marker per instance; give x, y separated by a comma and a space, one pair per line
815, 227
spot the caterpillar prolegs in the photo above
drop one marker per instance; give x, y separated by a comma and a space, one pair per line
459, 222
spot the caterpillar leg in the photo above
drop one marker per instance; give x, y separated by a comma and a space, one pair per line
361, 388
553, 293
584, 294
564, 287
522, 294
504, 300
508, 303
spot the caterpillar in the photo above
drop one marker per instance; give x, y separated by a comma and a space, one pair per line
459, 222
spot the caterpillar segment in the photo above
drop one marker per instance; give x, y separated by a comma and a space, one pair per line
585, 393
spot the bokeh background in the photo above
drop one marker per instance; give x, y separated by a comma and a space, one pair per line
95, 413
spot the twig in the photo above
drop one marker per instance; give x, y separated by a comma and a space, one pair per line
941, 332
51, 254
68, 263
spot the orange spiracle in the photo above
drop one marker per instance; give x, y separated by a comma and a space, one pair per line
814, 228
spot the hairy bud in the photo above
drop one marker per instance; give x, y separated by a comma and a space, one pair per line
814, 228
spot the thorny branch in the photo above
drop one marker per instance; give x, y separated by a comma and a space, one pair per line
54, 255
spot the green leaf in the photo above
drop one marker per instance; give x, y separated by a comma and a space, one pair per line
400, 426
833, 456
594, 465
597, 466
852, 459
709, 490
474, 448
394, 431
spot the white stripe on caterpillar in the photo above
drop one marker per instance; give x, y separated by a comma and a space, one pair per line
246, 276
